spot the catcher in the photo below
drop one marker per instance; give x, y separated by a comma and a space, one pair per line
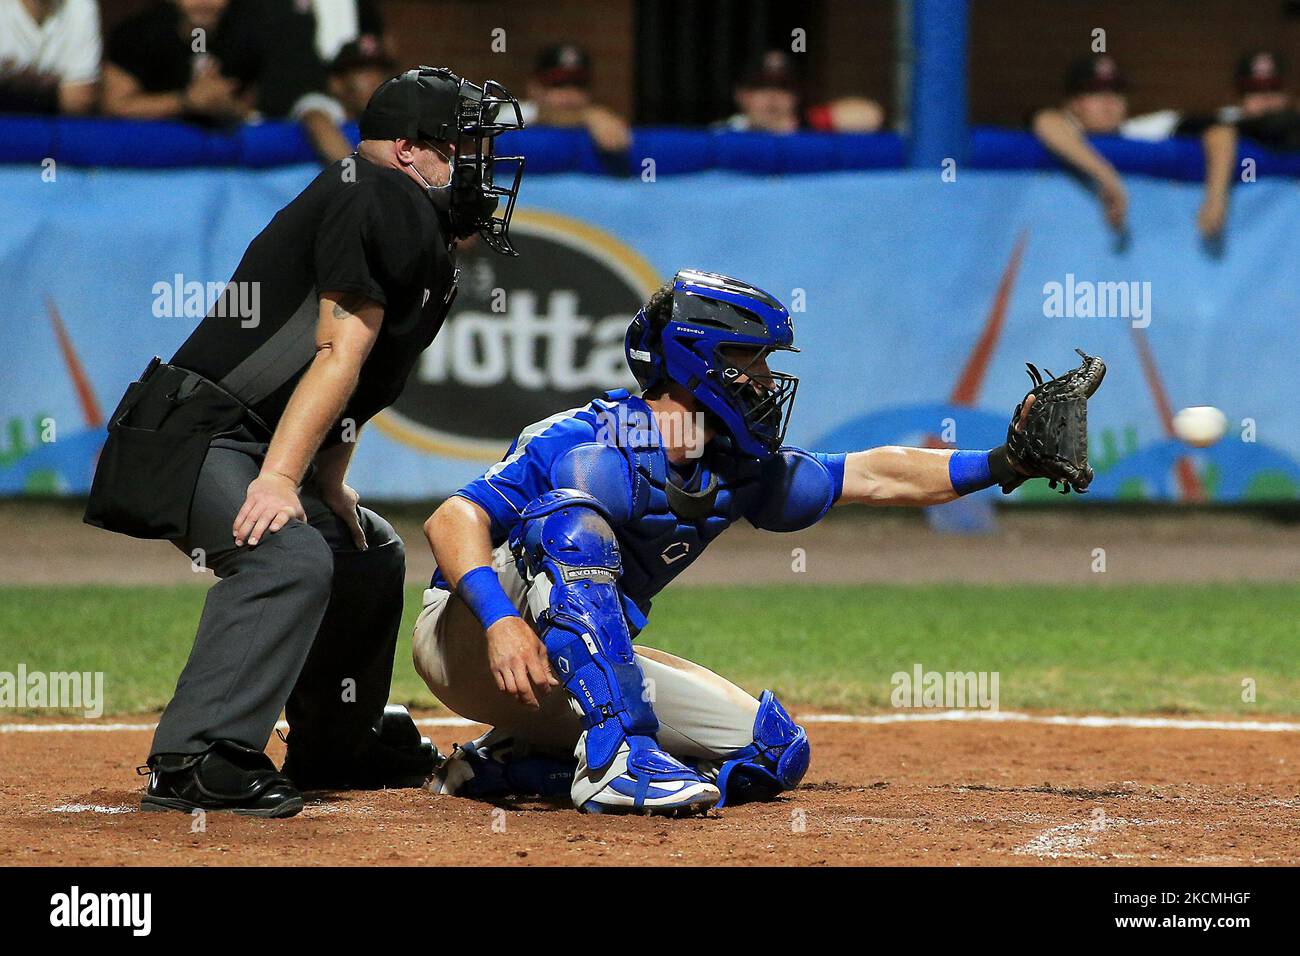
548, 563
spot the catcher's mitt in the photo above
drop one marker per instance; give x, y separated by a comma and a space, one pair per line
1053, 443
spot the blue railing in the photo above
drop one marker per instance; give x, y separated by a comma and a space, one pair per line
158, 145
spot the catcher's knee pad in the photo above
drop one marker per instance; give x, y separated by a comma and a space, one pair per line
566, 549
775, 761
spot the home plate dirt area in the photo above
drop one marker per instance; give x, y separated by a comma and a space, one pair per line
927, 792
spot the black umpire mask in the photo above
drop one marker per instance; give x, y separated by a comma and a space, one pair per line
463, 191
435, 106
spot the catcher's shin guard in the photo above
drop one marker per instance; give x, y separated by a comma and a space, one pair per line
775, 761
566, 549
565, 541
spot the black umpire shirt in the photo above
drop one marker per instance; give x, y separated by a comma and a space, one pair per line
374, 233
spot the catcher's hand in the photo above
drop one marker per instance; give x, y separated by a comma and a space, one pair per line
1048, 436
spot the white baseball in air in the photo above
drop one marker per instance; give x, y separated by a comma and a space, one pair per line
1200, 425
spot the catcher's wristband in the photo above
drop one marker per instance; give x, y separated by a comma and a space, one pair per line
976, 470
481, 589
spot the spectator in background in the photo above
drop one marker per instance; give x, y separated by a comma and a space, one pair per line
215, 61
1096, 104
49, 56
349, 37
559, 95
768, 100
1265, 110
359, 69
230, 61
338, 23
270, 46
767, 97
1264, 113
847, 114
167, 62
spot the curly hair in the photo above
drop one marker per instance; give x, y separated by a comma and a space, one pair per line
657, 311
660, 307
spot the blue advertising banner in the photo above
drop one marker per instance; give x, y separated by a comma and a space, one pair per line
916, 301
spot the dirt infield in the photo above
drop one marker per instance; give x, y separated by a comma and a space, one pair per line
923, 793
929, 793
46, 543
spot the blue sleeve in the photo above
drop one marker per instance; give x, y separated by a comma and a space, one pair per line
798, 488
525, 472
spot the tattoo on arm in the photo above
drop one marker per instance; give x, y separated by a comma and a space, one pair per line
355, 322
348, 305
345, 307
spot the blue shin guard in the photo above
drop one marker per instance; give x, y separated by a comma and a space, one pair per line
565, 535
566, 549
775, 761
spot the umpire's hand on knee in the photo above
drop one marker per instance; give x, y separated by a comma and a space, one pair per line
269, 504
517, 658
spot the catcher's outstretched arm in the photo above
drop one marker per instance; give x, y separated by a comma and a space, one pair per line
1047, 438
893, 475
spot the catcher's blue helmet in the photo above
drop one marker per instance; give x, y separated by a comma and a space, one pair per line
711, 314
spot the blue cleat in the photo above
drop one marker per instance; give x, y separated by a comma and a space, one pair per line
641, 779
494, 766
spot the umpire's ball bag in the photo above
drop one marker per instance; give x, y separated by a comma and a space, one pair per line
158, 437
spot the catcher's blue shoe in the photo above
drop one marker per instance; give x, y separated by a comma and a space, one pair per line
494, 766
641, 779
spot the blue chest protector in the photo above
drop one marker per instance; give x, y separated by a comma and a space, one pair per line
664, 524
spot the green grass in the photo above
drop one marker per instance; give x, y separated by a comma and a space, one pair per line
1141, 649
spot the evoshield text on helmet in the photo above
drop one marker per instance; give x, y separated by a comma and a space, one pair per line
434, 104
713, 342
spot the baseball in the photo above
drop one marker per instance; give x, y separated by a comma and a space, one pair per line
1200, 425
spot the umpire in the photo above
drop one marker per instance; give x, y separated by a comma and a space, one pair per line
238, 448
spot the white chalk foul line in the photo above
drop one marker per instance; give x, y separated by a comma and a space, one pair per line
904, 717
111, 728
91, 808
70, 728
1061, 720
1075, 840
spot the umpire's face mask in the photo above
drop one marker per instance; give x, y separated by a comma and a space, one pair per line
461, 200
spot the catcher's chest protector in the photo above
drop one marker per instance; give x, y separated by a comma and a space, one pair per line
669, 528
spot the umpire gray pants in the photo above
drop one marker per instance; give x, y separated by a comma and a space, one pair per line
303, 622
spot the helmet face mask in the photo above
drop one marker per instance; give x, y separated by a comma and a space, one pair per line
481, 179
435, 105
764, 398
715, 343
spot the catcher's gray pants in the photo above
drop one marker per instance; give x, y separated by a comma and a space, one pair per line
701, 715
304, 620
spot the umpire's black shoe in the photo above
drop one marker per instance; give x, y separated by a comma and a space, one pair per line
392, 756
227, 776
